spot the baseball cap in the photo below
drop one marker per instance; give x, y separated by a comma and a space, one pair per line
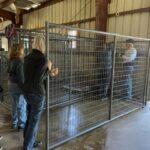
130, 41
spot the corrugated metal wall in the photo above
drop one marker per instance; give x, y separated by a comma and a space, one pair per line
62, 12
136, 24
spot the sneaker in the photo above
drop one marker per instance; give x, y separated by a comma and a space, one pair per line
1, 137
37, 143
1, 148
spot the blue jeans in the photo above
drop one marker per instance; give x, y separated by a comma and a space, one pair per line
104, 81
18, 110
35, 105
128, 70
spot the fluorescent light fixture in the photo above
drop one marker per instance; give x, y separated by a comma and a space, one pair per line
35, 5
27, 8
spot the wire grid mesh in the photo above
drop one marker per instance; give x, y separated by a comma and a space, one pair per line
4, 78
129, 78
86, 93
75, 94
21, 36
26, 37
4, 104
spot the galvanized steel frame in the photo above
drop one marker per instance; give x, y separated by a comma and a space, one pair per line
49, 26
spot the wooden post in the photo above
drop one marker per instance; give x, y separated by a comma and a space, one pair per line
100, 25
101, 14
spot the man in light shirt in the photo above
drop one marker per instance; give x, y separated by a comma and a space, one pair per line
128, 58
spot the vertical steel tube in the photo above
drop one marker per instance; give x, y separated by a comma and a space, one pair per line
1, 69
19, 36
47, 93
70, 89
65, 59
30, 40
112, 79
146, 77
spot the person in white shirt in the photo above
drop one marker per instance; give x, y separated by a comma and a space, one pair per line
128, 58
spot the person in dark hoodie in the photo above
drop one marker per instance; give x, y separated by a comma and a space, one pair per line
36, 70
15, 82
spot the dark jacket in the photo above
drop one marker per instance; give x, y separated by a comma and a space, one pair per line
35, 72
16, 75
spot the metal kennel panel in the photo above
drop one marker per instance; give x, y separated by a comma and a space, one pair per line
91, 87
21, 36
75, 96
26, 37
4, 79
130, 78
3, 74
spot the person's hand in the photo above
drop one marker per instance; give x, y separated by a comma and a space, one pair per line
54, 71
49, 65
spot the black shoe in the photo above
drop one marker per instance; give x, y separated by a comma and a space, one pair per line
37, 144
21, 127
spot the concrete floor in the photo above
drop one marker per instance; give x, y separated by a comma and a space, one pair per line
131, 132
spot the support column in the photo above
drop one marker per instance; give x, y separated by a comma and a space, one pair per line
101, 14
101, 25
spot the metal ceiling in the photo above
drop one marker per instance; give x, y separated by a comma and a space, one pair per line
28, 4
22, 4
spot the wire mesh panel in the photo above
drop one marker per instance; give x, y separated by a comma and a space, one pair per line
79, 94
130, 75
94, 83
99, 78
3, 72
21, 36
26, 37
4, 78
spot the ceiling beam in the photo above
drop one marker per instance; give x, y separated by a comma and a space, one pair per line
6, 3
80, 21
6, 15
44, 4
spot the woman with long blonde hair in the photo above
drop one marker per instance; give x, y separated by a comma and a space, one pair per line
15, 82
36, 69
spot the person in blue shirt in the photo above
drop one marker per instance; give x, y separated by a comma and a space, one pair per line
128, 58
